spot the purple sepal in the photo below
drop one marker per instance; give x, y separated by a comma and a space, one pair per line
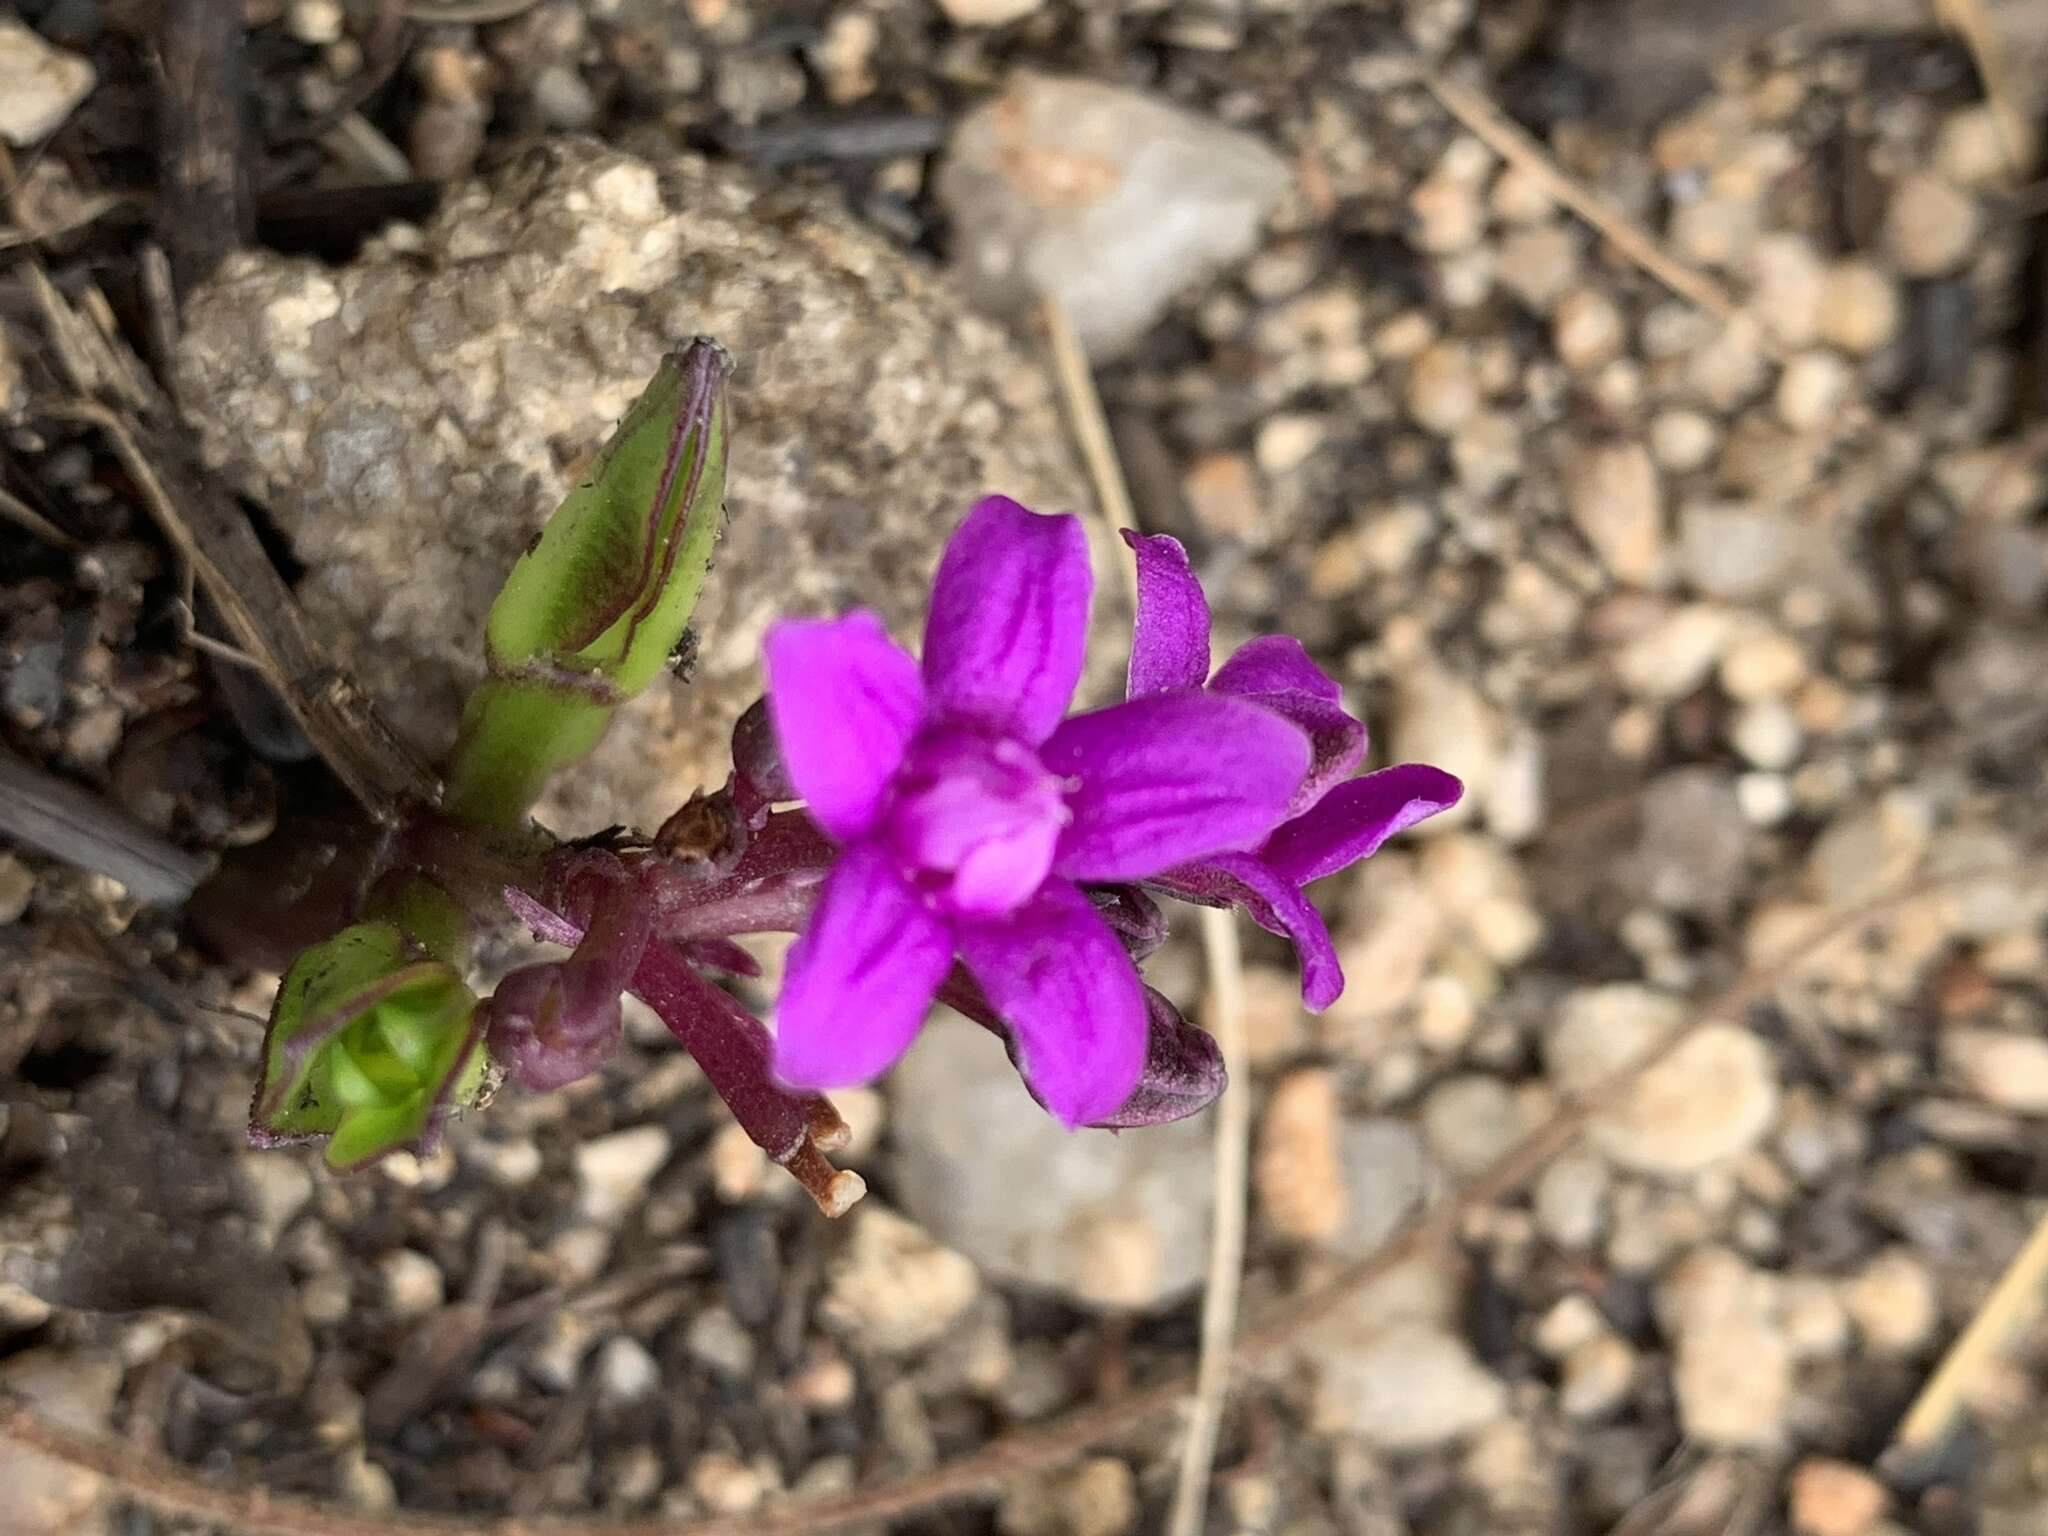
557, 1021
1183, 1072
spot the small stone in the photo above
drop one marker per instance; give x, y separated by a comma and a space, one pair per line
1733, 1379
1596, 1378
1893, 1303
1108, 199
413, 1284
725, 1484
1222, 496
1486, 452
716, 1338
845, 55
314, 22
1443, 389
1767, 735
1408, 1388
1930, 225
988, 13
365, 1486
1763, 664
1297, 1176
1386, 1177
1811, 390
1834, 1498
1710, 1100
1571, 1201
1734, 550
1859, 308
1612, 493
1787, 287
1716, 232
892, 1290
40, 1497
1469, 1121
563, 99
1448, 215
1100, 1499
1693, 849
1971, 149
1571, 1321
1812, 1317
279, 1187
1869, 848
1538, 265
1674, 656
507, 1164
1437, 717
1731, 367
1275, 1021
1683, 441
626, 1372
2002, 1067
613, 1172
40, 86
1287, 441
739, 1168
1520, 196
1587, 330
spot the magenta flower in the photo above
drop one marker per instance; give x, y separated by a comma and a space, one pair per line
1333, 820
968, 812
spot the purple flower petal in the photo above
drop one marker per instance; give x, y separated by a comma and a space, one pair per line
861, 977
1336, 742
1162, 780
1274, 664
1277, 905
1070, 996
1276, 672
1009, 619
1352, 820
1170, 639
845, 699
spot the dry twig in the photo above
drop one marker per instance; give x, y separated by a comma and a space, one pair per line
75, 825
2016, 1298
1507, 139
172, 1489
1226, 1235
1091, 431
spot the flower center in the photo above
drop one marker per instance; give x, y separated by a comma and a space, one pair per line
976, 818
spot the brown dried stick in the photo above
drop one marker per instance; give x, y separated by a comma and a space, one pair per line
75, 825
211, 533
207, 206
171, 1489
1508, 140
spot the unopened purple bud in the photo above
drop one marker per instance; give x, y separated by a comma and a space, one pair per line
543, 1035
556, 1022
759, 779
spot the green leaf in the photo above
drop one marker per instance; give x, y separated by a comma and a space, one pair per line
368, 1044
591, 613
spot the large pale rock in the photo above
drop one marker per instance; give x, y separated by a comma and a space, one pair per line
1110, 1220
1107, 199
411, 419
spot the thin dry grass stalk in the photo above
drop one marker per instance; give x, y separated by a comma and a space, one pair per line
1505, 138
